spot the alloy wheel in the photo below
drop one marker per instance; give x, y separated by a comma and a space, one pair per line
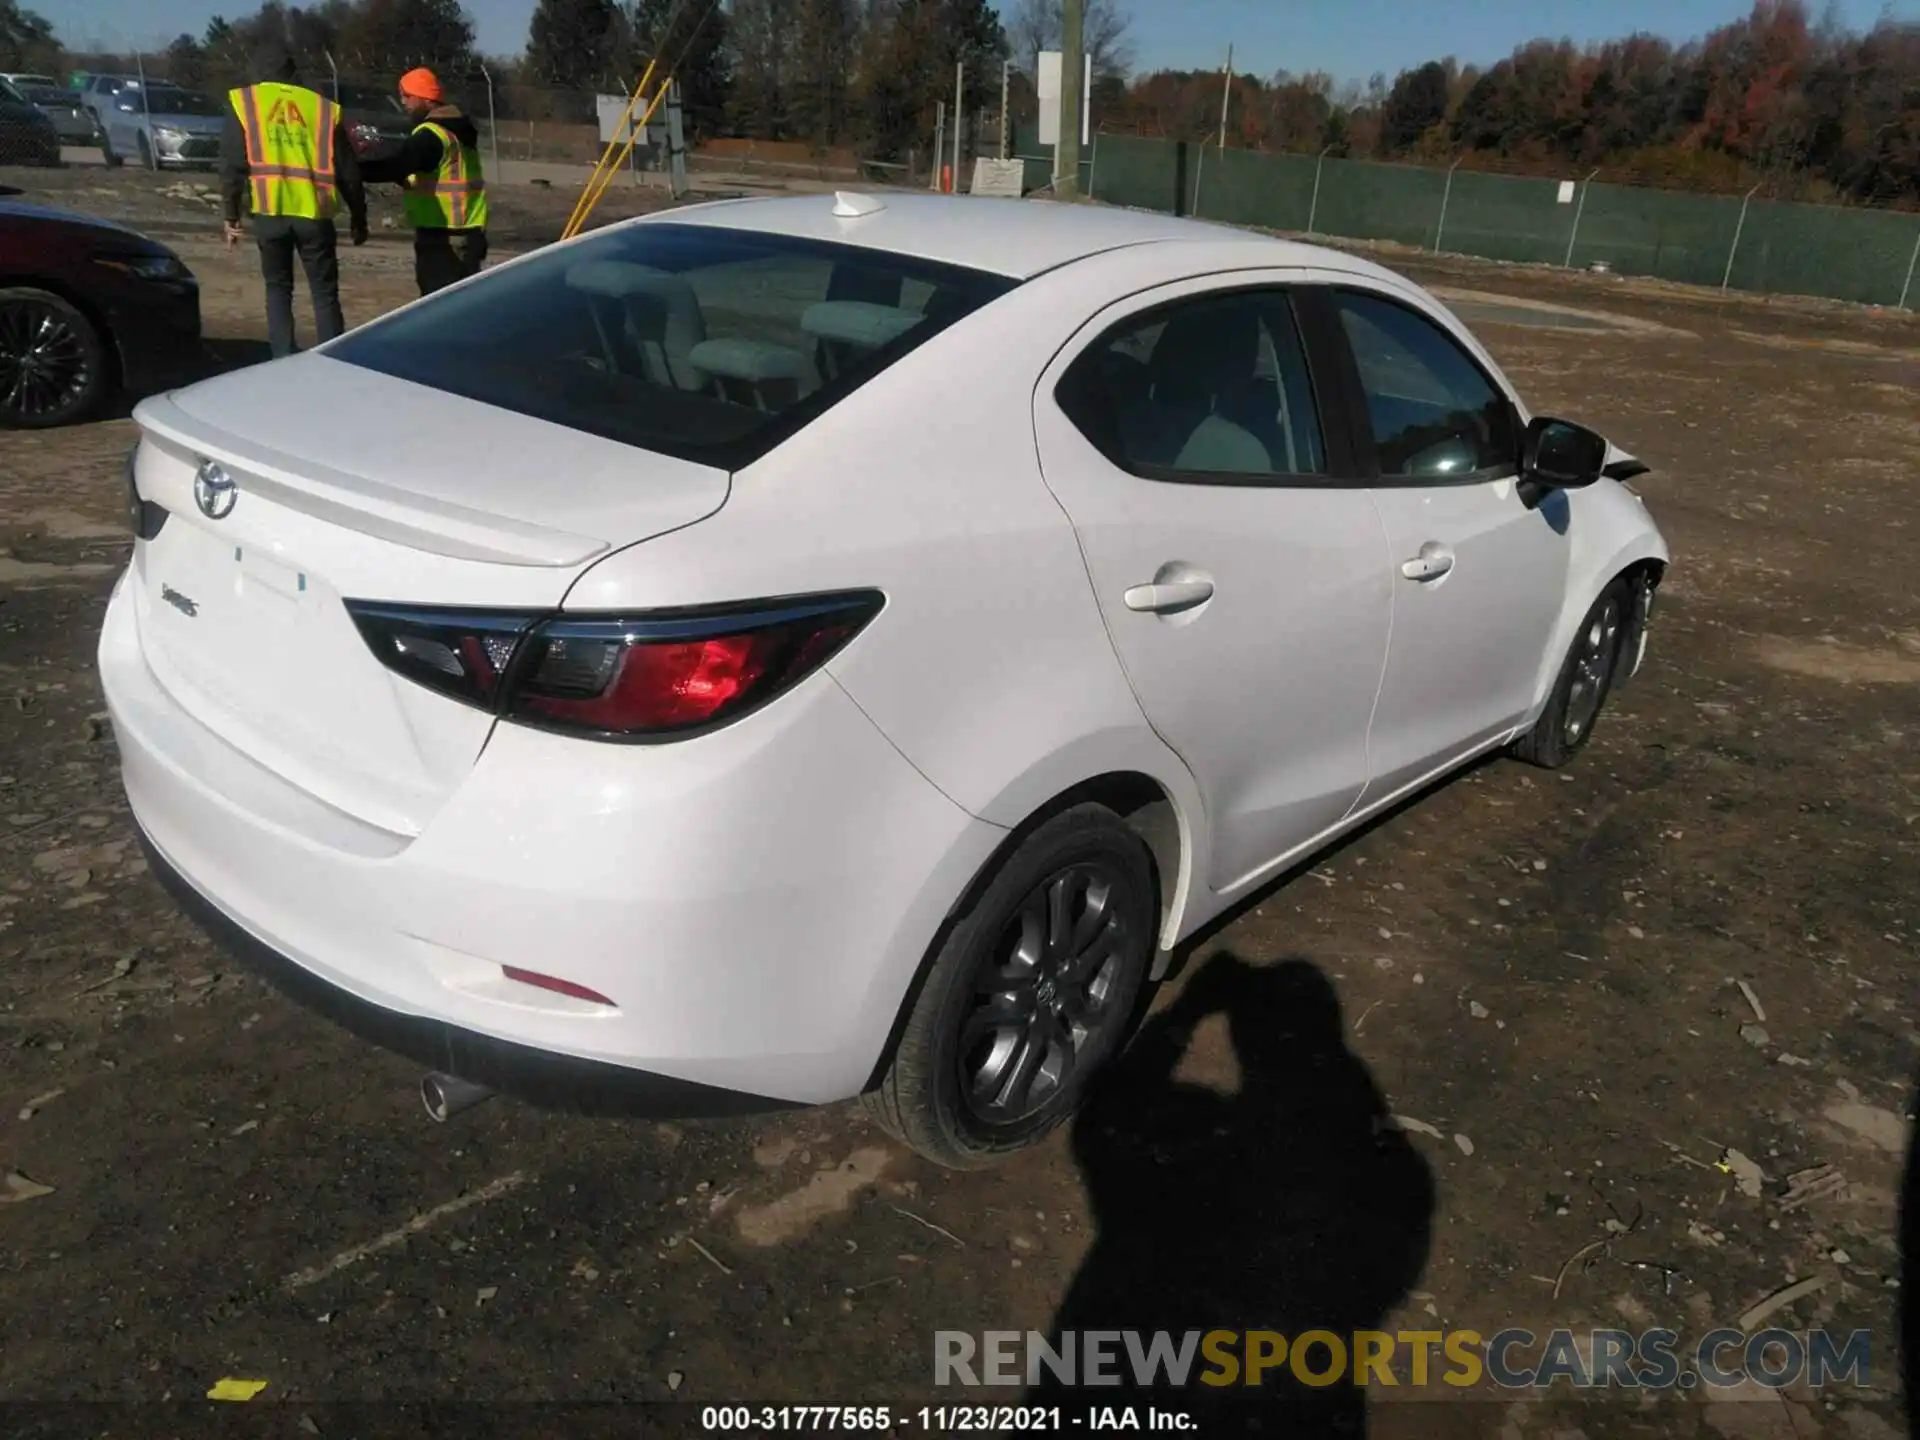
1046, 997
45, 367
1593, 662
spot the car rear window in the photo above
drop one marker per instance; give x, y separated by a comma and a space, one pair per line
709, 344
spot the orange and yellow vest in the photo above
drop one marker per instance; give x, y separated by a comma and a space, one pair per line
454, 197
289, 131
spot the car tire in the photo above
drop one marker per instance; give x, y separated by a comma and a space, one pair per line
146, 154
1036, 979
1581, 689
107, 153
68, 353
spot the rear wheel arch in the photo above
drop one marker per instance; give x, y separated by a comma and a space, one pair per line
1141, 802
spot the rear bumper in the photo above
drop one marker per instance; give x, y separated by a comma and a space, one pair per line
756, 902
543, 1078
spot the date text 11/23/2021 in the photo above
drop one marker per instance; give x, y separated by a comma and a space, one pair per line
975, 1419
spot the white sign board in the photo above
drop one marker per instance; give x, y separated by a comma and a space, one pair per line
999, 177
610, 108
1566, 192
1047, 85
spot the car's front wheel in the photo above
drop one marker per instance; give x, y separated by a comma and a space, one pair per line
1031, 992
53, 361
1586, 677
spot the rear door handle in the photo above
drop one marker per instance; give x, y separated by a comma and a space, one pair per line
1431, 563
1169, 595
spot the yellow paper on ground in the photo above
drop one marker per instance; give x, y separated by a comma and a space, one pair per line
230, 1389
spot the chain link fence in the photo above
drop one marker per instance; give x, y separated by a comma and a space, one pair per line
40, 117
1740, 242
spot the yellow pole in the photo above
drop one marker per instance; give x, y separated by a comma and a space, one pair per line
607, 154
591, 197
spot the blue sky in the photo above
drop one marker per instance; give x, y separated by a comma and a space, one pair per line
1354, 38
1351, 38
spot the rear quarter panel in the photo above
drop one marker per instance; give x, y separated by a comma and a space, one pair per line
990, 668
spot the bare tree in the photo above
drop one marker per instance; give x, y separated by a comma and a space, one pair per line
1036, 26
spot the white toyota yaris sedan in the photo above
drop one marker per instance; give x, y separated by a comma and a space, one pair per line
790, 649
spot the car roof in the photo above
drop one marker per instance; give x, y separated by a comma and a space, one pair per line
1015, 238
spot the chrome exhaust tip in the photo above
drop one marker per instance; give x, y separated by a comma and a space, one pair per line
445, 1096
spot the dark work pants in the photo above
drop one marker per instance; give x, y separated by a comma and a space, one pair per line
441, 257
280, 237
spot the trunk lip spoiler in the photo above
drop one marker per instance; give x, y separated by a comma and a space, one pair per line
417, 522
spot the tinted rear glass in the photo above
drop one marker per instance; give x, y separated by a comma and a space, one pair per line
712, 345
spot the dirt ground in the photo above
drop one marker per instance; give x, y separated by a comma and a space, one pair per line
1539, 969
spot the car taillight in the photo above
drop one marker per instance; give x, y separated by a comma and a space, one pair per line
461, 653
657, 674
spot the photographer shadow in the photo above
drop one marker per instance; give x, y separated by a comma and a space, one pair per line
1287, 1206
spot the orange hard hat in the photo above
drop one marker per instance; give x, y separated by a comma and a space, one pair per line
422, 83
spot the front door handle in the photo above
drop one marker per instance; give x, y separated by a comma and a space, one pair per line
1431, 563
1169, 595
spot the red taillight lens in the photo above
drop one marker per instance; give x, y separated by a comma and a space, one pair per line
657, 674
641, 679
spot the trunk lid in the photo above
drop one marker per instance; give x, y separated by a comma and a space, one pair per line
348, 485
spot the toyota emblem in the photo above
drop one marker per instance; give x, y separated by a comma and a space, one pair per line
214, 491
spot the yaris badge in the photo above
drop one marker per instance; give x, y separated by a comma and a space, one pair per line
214, 491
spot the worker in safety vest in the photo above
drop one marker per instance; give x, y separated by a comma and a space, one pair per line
445, 196
287, 153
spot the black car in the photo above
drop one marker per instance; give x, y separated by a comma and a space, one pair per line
27, 136
72, 121
87, 305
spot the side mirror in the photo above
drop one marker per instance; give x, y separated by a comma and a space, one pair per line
1560, 455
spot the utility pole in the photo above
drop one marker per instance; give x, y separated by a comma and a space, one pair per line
1226, 94
1006, 90
1066, 152
959, 110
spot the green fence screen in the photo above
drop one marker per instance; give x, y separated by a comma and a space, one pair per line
1868, 256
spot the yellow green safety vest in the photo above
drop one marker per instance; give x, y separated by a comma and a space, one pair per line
452, 198
289, 132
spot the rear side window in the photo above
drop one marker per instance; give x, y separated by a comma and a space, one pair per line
1215, 388
709, 344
